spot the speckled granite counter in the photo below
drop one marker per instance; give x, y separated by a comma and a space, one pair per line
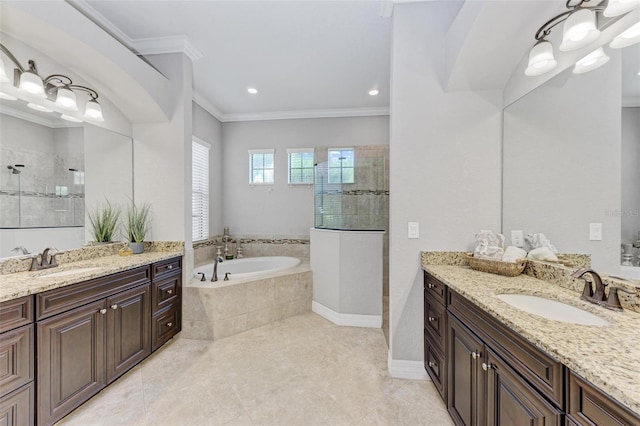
25, 283
608, 356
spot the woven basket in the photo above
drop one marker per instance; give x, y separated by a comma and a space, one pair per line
508, 269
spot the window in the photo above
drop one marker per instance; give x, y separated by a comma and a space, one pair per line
300, 165
341, 165
200, 190
261, 166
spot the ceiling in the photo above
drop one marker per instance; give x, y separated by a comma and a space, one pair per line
314, 58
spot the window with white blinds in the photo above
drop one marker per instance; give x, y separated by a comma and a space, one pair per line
200, 190
261, 166
300, 161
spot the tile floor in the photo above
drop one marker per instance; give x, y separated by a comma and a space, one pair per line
303, 370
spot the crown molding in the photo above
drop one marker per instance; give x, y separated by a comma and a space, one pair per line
208, 106
316, 113
170, 44
631, 101
100, 20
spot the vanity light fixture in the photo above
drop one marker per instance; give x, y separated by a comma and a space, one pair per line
579, 30
56, 88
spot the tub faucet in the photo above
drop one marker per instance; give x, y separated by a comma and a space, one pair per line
587, 294
216, 260
20, 249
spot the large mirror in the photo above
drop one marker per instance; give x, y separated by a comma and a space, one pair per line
570, 161
52, 173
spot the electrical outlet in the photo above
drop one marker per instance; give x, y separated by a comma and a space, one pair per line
595, 231
517, 238
413, 230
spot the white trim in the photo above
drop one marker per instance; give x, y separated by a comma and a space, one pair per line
201, 142
55, 122
303, 150
349, 320
100, 20
316, 113
169, 44
402, 369
631, 101
208, 106
262, 151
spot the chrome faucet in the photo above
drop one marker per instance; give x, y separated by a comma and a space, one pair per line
216, 260
588, 293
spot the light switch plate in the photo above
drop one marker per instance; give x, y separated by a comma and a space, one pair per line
595, 231
517, 238
413, 230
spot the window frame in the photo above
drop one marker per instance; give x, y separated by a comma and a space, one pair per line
300, 151
204, 215
342, 182
251, 153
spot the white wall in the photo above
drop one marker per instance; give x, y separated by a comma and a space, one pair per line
282, 209
562, 164
445, 168
209, 129
630, 174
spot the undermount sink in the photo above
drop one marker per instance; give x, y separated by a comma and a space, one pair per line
69, 272
552, 309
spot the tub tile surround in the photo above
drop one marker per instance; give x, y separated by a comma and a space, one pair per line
253, 246
24, 282
212, 311
608, 357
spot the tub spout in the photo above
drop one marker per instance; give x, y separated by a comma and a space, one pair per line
216, 260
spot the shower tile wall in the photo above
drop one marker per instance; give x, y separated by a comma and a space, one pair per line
46, 193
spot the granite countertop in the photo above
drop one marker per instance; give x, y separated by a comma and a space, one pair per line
607, 356
20, 284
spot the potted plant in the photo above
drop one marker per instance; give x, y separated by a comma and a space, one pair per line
137, 225
104, 220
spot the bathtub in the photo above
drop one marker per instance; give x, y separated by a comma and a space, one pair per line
248, 267
260, 290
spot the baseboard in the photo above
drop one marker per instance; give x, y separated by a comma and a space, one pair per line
350, 320
402, 369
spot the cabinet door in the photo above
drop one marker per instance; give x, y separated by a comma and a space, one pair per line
128, 330
466, 384
511, 400
71, 360
16, 408
16, 358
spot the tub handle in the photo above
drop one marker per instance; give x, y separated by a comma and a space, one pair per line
226, 276
201, 278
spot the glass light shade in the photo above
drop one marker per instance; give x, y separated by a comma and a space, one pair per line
593, 60
579, 30
541, 59
620, 7
93, 111
627, 38
7, 97
4, 78
70, 118
39, 107
32, 84
66, 99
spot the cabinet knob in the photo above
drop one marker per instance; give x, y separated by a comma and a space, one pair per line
432, 364
169, 291
430, 285
169, 266
431, 319
114, 306
103, 311
476, 355
486, 366
169, 324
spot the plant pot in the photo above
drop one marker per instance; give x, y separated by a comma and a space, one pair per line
137, 247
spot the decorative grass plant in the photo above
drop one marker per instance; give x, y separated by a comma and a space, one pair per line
137, 222
104, 220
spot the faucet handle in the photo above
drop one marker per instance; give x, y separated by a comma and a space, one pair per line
587, 291
613, 301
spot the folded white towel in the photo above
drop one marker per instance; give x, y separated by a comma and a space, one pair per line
542, 253
513, 253
489, 245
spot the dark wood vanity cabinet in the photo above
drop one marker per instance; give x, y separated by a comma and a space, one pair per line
166, 319
435, 333
17, 362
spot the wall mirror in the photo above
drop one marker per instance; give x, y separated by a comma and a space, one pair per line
571, 150
52, 172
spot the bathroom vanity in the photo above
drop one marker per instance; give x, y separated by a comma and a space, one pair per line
73, 335
496, 365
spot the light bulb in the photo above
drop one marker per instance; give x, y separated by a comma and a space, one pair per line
66, 99
541, 59
32, 84
579, 30
93, 111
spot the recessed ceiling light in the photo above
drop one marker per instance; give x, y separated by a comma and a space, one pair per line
252, 90
373, 92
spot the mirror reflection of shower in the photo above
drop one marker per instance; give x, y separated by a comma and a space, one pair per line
15, 170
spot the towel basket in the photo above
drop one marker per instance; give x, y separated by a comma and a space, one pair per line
508, 269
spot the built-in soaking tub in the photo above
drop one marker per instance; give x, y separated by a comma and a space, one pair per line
260, 290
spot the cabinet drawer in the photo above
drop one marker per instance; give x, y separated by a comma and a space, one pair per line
16, 409
587, 405
434, 289
166, 292
539, 368
166, 267
435, 322
15, 313
16, 358
62, 299
164, 326
434, 363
